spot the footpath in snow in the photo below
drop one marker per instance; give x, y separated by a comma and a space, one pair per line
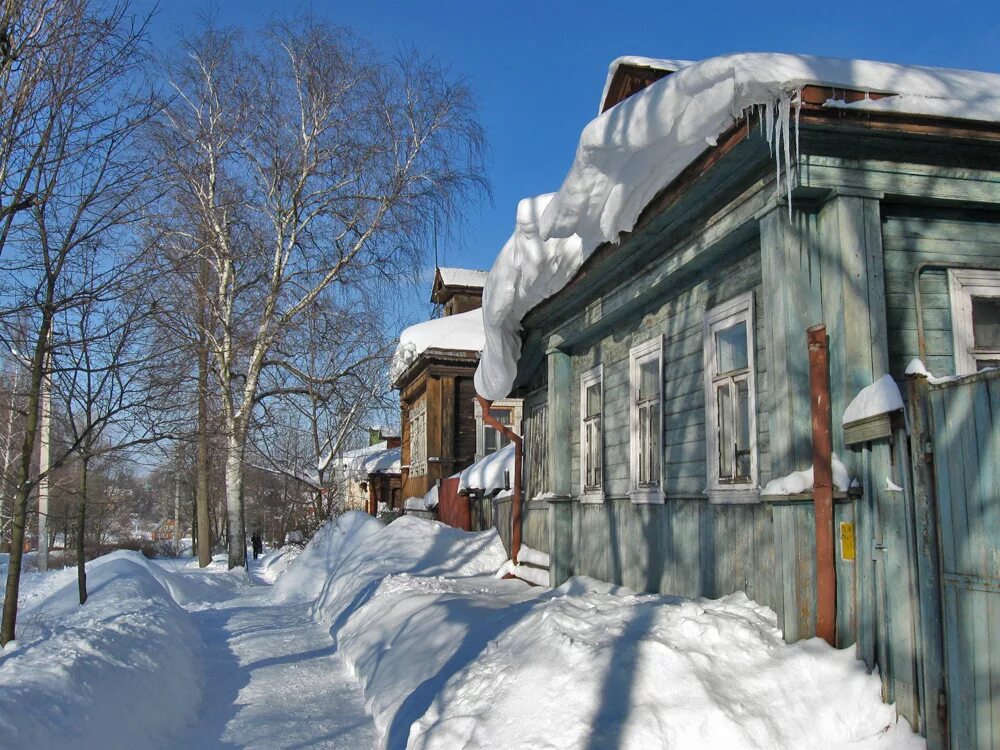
165, 655
402, 636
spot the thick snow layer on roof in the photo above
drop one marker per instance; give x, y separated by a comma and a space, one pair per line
386, 461
449, 656
631, 152
488, 473
881, 397
462, 332
802, 481
463, 277
639, 62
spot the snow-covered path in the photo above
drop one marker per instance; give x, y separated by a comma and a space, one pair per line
273, 681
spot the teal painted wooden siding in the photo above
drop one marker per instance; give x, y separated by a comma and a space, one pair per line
679, 321
929, 237
966, 417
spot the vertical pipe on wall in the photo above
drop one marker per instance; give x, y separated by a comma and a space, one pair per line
515, 509
819, 396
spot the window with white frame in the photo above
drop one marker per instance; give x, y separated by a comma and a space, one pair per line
489, 440
536, 452
591, 434
730, 401
645, 419
418, 440
975, 319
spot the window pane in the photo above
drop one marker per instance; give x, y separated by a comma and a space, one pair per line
593, 406
649, 379
743, 433
596, 451
724, 402
986, 322
643, 444
654, 443
731, 348
503, 416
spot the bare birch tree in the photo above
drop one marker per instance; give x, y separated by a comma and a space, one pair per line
310, 163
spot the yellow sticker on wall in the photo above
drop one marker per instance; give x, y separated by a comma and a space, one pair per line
846, 541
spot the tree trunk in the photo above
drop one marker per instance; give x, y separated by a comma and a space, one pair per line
81, 519
201, 461
234, 503
8, 625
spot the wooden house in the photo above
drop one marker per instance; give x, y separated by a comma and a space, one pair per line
433, 371
667, 382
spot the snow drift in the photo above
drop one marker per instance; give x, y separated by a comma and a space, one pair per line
122, 671
635, 149
449, 657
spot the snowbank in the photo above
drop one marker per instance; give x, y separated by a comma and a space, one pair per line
276, 561
802, 481
307, 574
488, 474
428, 501
449, 657
881, 397
634, 150
597, 670
121, 671
462, 332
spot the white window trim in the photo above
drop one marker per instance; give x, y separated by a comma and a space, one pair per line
418, 439
638, 353
536, 466
516, 413
738, 309
587, 379
963, 285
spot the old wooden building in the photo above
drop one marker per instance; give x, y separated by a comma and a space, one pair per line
433, 370
667, 381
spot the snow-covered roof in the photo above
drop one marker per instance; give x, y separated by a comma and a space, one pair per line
370, 459
387, 461
487, 474
637, 61
461, 332
631, 152
466, 277
881, 397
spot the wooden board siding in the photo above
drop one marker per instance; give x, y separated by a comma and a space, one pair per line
925, 236
679, 320
465, 425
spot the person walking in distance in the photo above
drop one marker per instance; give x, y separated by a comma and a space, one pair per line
258, 544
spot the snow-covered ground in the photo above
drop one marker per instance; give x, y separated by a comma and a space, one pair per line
402, 636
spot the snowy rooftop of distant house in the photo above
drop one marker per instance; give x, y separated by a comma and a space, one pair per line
371, 459
461, 332
631, 152
637, 61
466, 277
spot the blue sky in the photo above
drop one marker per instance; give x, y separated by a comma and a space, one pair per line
538, 67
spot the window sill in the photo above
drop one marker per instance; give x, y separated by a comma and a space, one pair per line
646, 496
733, 495
592, 497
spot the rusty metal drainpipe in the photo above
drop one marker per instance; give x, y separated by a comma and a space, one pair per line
819, 396
515, 510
